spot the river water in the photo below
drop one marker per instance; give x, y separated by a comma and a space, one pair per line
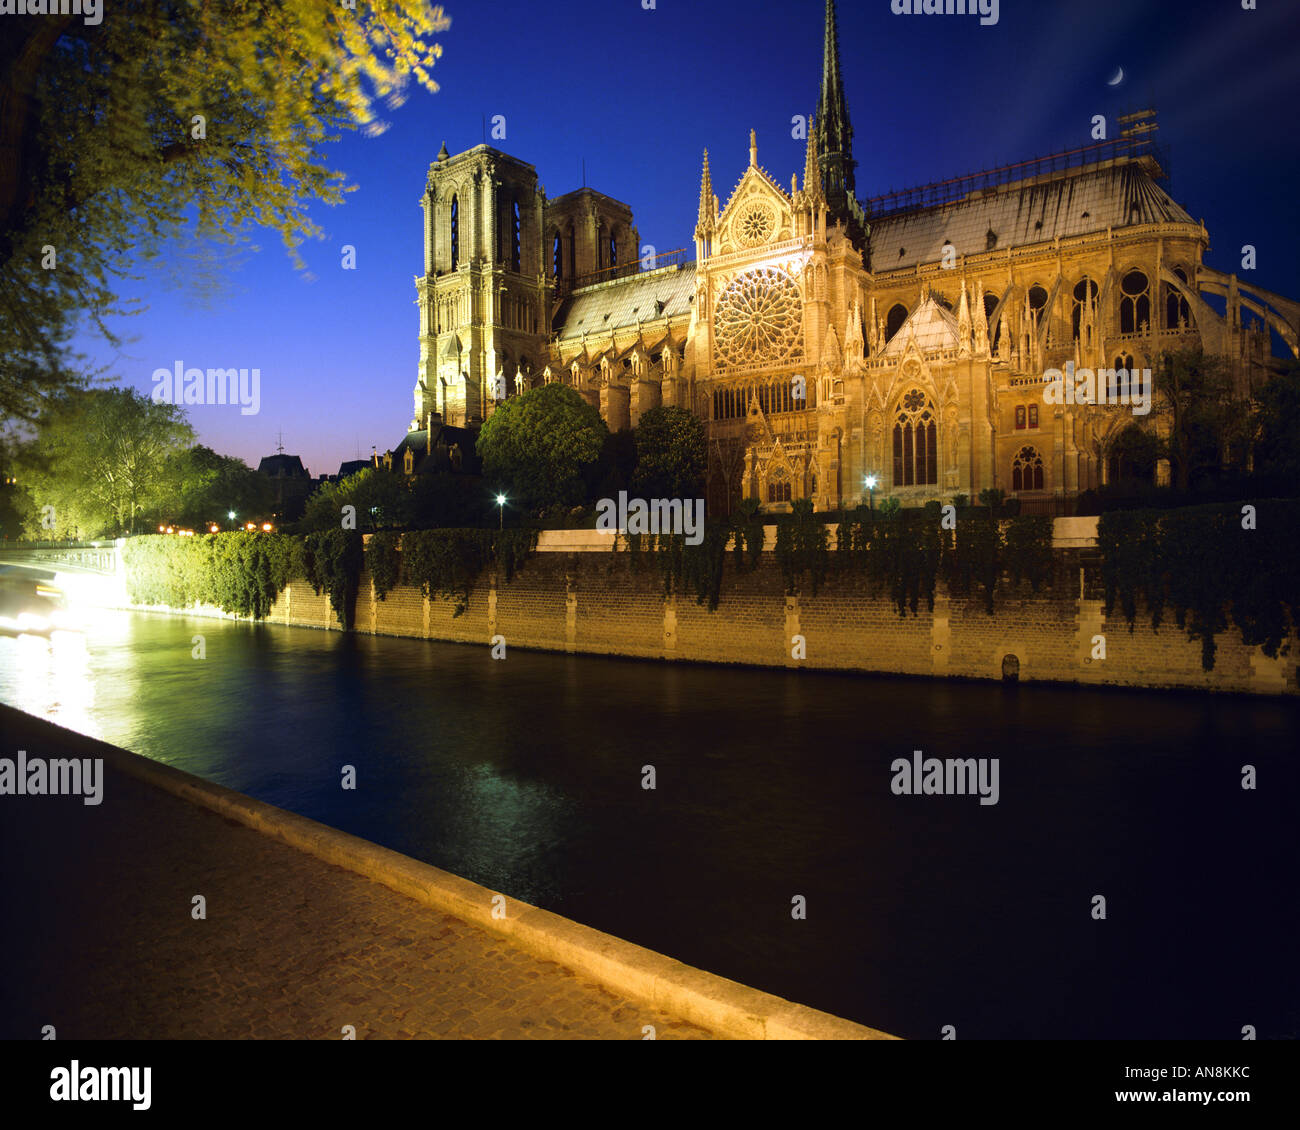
526, 775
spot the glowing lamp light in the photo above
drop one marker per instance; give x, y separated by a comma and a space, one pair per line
266, 526
501, 500
870, 483
230, 514
214, 528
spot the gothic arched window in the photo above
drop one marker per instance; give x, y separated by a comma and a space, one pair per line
894, 323
557, 257
1027, 470
1037, 303
455, 232
916, 447
778, 486
1135, 303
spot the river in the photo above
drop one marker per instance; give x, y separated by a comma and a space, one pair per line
526, 775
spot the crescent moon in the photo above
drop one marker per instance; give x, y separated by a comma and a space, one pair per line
1117, 79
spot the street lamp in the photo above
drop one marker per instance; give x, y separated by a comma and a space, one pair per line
870, 483
501, 512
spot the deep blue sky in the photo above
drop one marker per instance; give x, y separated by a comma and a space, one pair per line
639, 94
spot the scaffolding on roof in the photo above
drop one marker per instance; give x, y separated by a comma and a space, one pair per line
1135, 144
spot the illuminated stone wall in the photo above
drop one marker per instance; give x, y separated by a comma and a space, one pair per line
594, 603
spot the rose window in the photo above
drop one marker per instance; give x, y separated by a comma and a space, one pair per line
914, 401
755, 225
759, 317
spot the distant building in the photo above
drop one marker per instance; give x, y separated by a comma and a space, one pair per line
435, 448
292, 481
351, 467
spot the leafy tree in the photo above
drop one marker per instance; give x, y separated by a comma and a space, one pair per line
671, 454
101, 458
1208, 423
202, 486
613, 471
439, 500
1277, 423
171, 122
381, 498
15, 503
536, 447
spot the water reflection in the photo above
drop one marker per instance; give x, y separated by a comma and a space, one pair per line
525, 775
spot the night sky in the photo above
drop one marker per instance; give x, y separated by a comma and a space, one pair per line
639, 94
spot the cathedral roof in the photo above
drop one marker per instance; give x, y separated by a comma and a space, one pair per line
1077, 202
933, 327
648, 296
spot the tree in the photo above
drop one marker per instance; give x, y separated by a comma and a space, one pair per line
1208, 424
381, 500
1277, 423
102, 459
671, 454
439, 500
15, 503
536, 447
612, 472
201, 486
165, 123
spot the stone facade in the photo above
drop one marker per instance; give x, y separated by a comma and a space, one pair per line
825, 342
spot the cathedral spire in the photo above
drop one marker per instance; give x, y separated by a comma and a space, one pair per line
812, 174
707, 212
835, 136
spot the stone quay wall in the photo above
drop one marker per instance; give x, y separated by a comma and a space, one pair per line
576, 594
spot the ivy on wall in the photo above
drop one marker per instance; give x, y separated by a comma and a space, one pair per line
682, 567
1211, 565
801, 549
446, 563
244, 573
905, 552
384, 562
896, 549
239, 572
747, 533
331, 562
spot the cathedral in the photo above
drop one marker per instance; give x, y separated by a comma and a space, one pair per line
834, 347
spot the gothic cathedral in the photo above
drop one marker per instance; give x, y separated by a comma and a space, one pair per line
826, 343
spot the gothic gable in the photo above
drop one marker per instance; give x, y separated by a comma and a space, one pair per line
757, 214
932, 328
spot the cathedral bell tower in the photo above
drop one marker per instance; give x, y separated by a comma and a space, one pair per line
484, 297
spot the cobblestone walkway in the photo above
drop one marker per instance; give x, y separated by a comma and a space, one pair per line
99, 941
